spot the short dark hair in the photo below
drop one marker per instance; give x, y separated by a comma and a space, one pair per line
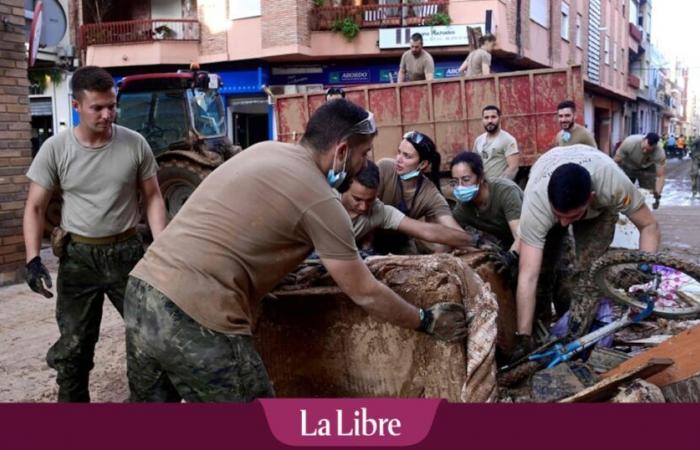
90, 78
567, 104
368, 176
569, 187
472, 159
491, 108
417, 37
487, 38
331, 123
652, 138
335, 91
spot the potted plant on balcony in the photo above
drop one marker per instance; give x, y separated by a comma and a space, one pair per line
440, 18
347, 27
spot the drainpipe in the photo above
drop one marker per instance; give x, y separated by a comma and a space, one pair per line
519, 27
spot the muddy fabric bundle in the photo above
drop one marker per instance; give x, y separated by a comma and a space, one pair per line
320, 344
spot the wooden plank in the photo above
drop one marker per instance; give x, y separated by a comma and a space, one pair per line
683, 349
607, 387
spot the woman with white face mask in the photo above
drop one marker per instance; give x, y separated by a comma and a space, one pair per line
491, 206
411, 183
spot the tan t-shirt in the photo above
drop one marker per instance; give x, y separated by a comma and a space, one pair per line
577, 135
428, 202
414, 69
475, 60
613, 190
494, 151
380, 216
634, 158
249, 223
504, 206
99, 185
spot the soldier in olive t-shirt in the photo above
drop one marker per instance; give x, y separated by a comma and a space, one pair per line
643, 159
503, 206
494, 151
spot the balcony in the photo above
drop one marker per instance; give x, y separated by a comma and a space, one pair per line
633, 81
130, 31
379, 16
636, 33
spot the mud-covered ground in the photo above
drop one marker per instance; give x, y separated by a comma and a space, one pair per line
28, 327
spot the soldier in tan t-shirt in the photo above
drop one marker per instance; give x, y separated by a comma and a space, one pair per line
643, 160
581, 186
101, 170
571, 133
368, 213
416, 63
478, 62
405, 186
497, 148
192, 299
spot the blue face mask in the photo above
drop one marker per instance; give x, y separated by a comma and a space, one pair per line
336, 179
566, 136
410, 175
465, 194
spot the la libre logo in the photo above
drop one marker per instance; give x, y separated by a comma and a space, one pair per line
357, 424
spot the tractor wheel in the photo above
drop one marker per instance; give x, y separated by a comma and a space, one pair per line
178, 180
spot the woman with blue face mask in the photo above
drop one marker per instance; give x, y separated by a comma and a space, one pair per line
491, 206
411, 183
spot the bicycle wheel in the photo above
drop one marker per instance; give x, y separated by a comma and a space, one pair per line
673, 284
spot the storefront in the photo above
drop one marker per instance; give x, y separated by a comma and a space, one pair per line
248, 112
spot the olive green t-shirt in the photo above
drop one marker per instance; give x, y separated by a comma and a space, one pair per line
251, 222
504, 205
475, 60
99, 186
634, 158
613, 190
494, 151
577, 135
427, 202
414, 69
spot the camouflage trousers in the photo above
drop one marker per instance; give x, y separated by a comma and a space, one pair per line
170, 356
695, 174
591, 239
85, 274
646, 177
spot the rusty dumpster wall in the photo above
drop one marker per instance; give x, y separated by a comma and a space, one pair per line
326, 346
450, 110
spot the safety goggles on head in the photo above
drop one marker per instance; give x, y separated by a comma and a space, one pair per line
364, 126
414, 137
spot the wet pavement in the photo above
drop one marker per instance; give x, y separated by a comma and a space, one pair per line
677, 190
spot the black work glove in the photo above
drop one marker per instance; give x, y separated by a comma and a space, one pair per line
657, 200
524, 345
505, 262
445, 321
37, 276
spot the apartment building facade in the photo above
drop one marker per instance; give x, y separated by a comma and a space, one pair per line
300, 45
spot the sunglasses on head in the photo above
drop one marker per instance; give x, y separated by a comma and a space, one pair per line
414, 137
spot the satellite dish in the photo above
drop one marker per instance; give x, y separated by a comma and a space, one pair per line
54, 24
35, 32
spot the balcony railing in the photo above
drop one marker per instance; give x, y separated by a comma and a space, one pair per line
139, 31
635, 32
378, 16
633, 81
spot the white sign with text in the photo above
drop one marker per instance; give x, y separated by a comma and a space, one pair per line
438, 36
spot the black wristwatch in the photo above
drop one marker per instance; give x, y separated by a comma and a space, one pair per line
426, 319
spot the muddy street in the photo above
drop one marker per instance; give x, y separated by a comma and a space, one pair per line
28, 327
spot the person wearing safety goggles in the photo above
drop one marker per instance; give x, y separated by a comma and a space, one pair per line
190, 301
405, 185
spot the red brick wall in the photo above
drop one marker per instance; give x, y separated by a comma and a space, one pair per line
285, 22
15, 151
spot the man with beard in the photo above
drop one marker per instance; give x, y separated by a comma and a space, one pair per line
497, 148
416, 64
191, 300
571, 133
